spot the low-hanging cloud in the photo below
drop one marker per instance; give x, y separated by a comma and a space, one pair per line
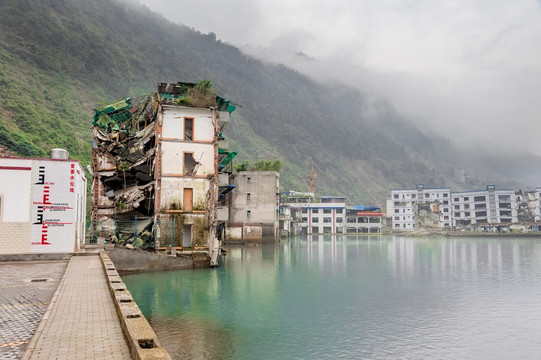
468, 70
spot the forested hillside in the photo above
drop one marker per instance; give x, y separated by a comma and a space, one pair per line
59, 59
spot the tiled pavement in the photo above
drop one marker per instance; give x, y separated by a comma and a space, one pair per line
82, 322
26, 288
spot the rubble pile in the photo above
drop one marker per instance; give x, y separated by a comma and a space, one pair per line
124, 154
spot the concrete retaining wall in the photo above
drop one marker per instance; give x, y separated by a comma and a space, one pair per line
130, 261
141, 338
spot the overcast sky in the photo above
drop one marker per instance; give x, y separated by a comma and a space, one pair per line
468, 69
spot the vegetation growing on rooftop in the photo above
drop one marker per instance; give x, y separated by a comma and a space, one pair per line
259, 165
201, 95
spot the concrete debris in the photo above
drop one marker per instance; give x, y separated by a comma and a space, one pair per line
123, 166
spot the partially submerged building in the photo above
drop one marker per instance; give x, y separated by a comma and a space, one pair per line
483, 207
410, 205
483, 210
156, 163
42, 204
364, 220
329, 215
254, 207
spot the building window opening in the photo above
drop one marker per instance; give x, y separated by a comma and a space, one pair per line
248, 180
189, 164
188, 129
248, 213
248, 196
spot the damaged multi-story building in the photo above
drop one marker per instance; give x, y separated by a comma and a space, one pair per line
156, 163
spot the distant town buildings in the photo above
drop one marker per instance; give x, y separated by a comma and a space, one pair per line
441, 208
408, 205
305, 213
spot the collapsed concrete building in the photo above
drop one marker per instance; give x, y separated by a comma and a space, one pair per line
156, 164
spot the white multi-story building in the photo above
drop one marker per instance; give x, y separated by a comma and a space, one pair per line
405, 206
324, 217
490, 206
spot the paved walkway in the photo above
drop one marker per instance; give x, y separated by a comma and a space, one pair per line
81, 322
26, 288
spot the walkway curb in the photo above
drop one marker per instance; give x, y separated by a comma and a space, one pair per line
140, 337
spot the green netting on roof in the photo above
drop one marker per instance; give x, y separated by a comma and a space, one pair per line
111, 116
224, 105
229, 155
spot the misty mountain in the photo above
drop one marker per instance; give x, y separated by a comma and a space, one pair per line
59, 59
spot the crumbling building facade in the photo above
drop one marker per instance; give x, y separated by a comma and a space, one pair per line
156, 166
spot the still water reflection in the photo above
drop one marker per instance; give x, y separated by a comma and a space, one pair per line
373, 297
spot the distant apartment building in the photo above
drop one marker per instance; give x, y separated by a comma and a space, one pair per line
408, 206
254, 206
324, 217
327, 215
490, 206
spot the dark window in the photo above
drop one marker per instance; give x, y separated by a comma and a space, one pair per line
396, 211
327, 211
188, 129
395, 196
480, 198
315, 211
457, 207
304, 219
457, 214
327, 219
466, 198
445, 202
339, 220
455, 199
315, 219
189, 164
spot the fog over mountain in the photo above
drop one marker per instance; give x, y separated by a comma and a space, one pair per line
465, 70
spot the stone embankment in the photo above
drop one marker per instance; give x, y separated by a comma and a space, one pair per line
141, 338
